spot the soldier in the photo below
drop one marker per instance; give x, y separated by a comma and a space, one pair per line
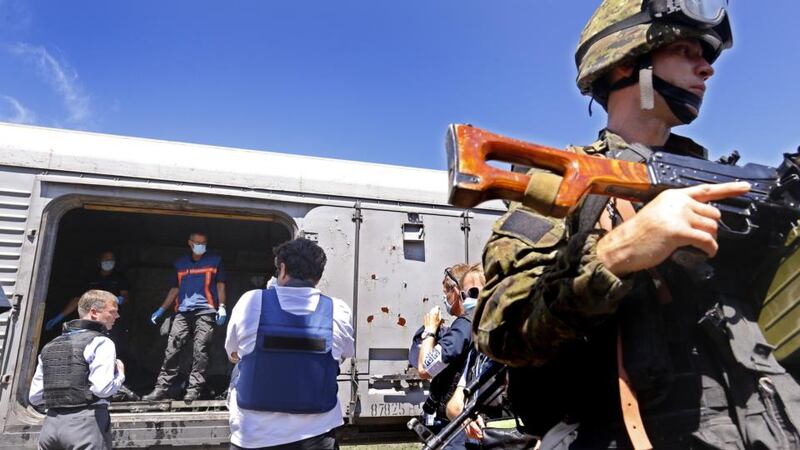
614, 344
77, 373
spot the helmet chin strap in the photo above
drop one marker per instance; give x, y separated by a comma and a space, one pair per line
684, 104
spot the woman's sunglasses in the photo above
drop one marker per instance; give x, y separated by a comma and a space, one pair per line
472, 292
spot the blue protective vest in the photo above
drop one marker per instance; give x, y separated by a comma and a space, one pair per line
291, 368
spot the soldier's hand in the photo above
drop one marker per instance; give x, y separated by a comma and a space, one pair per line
120, 367
675, 218
432, 320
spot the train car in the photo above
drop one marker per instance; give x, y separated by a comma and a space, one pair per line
66, 196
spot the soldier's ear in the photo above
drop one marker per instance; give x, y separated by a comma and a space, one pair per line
620, 72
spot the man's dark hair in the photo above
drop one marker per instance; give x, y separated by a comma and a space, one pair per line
198, 233
304, 259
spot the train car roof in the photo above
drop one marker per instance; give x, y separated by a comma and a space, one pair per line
151, 159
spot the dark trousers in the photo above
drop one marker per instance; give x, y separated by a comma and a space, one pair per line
325, 441
200, 327
87, 428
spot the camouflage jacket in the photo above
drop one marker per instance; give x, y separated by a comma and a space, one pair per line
545, 286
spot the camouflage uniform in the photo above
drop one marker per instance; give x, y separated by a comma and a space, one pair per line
552, 310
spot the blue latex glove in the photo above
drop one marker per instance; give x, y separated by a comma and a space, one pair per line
154, 317
221, 315
120, 299
53, 322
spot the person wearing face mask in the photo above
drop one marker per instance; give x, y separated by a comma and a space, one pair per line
198, 299
496, 425
439, 352
107, 278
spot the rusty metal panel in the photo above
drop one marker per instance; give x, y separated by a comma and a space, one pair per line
400, 276
333, 229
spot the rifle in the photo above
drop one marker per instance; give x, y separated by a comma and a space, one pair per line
481, 391
770, 208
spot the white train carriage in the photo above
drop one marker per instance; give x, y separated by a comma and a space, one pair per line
65, 196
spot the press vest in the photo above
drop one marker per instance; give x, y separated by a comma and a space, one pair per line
291, 368
444, 385
65, 370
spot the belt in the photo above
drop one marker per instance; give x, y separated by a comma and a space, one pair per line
71, 409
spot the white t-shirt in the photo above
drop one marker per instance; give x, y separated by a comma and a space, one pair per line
261, 428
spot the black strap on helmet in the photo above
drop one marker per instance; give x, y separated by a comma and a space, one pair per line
683, 103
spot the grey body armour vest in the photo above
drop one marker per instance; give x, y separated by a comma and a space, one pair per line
65, 370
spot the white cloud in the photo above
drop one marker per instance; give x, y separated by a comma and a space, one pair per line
18, 112
61, 77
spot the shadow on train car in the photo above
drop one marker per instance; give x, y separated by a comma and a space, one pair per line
145, 246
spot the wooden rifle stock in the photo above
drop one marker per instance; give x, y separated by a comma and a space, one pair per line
566, 177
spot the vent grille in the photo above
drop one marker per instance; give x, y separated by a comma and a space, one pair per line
14, 204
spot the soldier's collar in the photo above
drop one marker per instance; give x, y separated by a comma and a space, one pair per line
675, 144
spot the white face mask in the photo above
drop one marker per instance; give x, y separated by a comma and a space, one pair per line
447, 305
470, 303
198, 249
107, 265
471, 298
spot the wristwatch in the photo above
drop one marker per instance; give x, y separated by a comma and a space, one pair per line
425, 334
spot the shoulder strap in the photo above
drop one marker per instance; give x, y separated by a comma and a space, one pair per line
270, 306
590, 212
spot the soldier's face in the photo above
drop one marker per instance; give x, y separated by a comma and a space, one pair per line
682, 64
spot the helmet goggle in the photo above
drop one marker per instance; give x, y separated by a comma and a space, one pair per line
702, 13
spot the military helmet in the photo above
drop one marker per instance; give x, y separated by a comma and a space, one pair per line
623, 30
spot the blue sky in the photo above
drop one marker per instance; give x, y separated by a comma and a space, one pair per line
366, 80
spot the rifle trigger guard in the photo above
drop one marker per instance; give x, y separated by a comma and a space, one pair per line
730, 232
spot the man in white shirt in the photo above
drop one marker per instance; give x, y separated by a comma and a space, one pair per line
77, 372
288, 341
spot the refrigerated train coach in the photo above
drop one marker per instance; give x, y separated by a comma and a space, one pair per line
66, 196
